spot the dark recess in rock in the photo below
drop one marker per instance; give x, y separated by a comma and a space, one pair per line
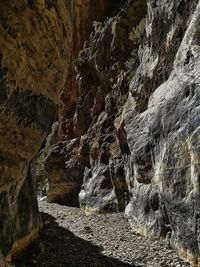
33, 109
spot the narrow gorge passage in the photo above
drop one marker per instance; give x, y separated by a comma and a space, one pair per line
73, 239
99, 109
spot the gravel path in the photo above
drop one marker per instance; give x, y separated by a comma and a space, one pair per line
74, 239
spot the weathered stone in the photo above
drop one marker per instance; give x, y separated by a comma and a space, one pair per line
65, 174
84, 13
163, 140
129, 123
136, 116
34, 54
103, 82
103, 70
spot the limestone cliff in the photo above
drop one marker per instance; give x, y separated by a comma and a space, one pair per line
129, 118
84, 12
39, 42
131, 138
35, 41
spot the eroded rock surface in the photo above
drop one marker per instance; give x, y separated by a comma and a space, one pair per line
164, 140
131, 138
65, 176
35, 40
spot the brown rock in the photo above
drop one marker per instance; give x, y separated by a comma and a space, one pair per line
136, 110
64, 172
34, 54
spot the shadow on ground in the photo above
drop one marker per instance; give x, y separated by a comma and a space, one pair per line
58, 247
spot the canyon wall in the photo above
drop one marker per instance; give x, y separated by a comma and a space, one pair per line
130, 137
129, 117
35, 42
64, 179
39, 42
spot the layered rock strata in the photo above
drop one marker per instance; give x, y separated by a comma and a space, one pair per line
35, 41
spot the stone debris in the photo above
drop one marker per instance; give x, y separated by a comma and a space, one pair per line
94, 240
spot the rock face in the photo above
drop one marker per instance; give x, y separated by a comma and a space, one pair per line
35, 40
66, 162
164, 166
131, 138
65, 176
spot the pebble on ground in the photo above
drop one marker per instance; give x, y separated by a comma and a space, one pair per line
73, 239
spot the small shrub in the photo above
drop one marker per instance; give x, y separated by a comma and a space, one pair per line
137, 32
39, 165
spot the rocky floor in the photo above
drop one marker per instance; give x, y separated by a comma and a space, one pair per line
74, 239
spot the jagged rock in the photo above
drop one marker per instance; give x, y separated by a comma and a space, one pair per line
65, 173
136, 116
103, 70
35, 37
163, 137
106, 64
129, 114
84, 12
